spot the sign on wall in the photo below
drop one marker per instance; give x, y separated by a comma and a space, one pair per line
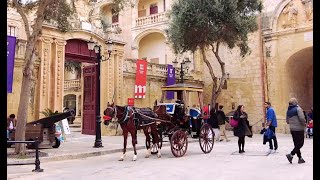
11, 46
141, 79
171, 79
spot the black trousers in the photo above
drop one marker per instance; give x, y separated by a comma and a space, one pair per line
298, 141
272, 128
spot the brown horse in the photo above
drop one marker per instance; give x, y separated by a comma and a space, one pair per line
130, 122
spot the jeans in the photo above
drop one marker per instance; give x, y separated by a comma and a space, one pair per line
298, 141
272, 128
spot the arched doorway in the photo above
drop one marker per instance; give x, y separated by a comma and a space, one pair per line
153, 48
76, 51
69, 101
299, 68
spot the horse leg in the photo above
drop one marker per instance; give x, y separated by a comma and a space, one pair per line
125, 137
145, 131
134, 142
156, 140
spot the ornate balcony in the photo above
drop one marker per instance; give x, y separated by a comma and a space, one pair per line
153, 70
72, 85
153, 19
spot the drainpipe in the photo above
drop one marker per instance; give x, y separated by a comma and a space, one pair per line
262, 66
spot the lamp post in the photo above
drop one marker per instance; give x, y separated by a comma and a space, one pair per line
97, 48
184, 67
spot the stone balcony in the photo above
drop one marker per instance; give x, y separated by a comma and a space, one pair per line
152, 20
82, 25
72, 85
157, 71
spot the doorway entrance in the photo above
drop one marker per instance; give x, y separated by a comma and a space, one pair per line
76, 50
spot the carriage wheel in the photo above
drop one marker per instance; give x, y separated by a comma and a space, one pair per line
153, 147
179, 143
206, 138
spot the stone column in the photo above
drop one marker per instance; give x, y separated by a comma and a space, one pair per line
57, 78
119, 77
44, 78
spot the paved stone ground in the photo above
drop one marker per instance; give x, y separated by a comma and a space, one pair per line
222, 163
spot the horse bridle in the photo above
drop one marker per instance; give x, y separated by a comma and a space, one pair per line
114, 111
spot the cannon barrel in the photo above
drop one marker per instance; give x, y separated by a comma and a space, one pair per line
48, 121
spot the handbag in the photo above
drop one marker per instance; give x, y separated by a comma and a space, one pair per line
234, 123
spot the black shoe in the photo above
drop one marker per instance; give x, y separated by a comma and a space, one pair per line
243, 151
240, 151
300, 161
289, 157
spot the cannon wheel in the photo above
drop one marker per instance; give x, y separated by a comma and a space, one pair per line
206, 138
179, 143
30, 145
154, 148
57, 143
9, 144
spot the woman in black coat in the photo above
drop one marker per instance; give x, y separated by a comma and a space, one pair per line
242, 129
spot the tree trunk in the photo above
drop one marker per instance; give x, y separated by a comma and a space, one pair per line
24, 97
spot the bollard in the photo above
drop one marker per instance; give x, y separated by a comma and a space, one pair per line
37, 163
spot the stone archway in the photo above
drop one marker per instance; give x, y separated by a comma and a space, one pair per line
299, 68
153, 48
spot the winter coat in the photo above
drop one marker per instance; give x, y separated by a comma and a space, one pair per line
213, 121
242, 129
295, 118
221, 117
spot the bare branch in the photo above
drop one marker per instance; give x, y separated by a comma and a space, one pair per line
222, 66
23, 16
204, 57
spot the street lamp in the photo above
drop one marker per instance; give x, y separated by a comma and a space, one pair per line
97, 49
184, 67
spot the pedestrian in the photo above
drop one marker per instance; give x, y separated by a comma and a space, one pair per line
271, 124
242, 129
213, 122
295, 118
222, 122
11, 124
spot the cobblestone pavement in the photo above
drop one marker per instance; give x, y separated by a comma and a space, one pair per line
223, 163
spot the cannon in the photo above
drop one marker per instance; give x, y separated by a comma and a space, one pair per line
45, 130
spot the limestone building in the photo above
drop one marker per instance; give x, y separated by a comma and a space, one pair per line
281, 49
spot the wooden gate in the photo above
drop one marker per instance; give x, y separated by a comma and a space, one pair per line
89, 100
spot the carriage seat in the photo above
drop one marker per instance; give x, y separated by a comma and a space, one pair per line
194, 113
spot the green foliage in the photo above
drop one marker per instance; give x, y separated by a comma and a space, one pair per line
48, 112
119, 5
72, 66
104, 22
202, 23
59, 11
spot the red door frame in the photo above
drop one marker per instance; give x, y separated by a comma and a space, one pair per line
77, 50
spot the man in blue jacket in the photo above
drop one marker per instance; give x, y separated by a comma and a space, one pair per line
271, 124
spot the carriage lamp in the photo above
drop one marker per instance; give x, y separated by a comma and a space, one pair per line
97, 49
184, 67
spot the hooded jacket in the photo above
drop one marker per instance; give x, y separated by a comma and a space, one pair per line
295, 118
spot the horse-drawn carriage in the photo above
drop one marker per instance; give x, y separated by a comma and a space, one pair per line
184, 120
173, 120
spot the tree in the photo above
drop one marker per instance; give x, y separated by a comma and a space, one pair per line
203, 24
57, 10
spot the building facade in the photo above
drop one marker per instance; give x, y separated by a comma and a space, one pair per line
280, 49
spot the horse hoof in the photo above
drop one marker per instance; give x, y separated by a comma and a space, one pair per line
121, 159
159, 156
147, 156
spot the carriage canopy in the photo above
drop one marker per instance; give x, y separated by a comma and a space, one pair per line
183, 91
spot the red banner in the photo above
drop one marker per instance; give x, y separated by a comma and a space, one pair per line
141, 79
